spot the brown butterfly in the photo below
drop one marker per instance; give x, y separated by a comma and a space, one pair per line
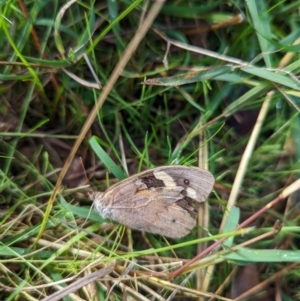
163, 200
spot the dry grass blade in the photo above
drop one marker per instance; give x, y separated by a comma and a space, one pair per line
79, 284
106, 89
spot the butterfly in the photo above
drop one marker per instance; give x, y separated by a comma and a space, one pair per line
163, 200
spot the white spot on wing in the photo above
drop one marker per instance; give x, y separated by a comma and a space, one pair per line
167, 179
191, 193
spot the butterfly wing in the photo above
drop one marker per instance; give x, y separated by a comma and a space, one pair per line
163, 200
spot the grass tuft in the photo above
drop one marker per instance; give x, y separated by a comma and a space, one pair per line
92, 92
